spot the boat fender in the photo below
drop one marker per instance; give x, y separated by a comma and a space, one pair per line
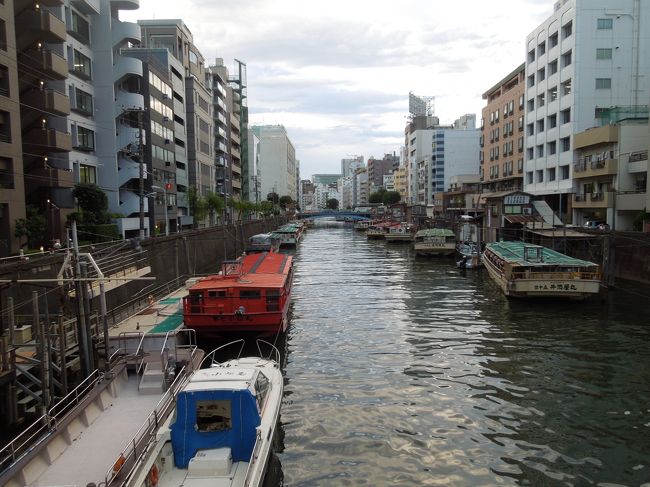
117, 466
153, 475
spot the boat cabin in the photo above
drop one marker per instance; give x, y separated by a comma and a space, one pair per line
263, 242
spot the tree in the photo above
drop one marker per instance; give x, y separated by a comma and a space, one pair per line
377, 197
215, 205
285, 201
198, 205
266, 208
93, 203
391, 197
32, 227
273, 197
332, 204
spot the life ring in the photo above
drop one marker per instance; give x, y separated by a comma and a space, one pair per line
117, 466
153, 475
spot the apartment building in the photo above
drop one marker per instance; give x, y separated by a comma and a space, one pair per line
502, 134
254, 174
581, 61
400, 182
12, 192
350, 164
277, 161
378, 168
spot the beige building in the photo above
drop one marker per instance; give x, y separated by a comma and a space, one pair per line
400, 182
611, 174
502, 135
12, 193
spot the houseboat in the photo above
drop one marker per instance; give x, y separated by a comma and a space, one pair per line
525, 271
402, 232
223, 428
362, 225
435, 242
251, 293
379, 230
288, 235
263, 242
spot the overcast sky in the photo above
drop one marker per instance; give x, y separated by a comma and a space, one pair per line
337, 74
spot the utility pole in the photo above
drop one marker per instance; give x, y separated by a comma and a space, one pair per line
141, 162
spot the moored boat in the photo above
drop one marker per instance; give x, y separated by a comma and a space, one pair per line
288, 235
223, 429
379, 230
403, 232
251, 293
525, 270
434, 242
263, 242
469, 255
362, 225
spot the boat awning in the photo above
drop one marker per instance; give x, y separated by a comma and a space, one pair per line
522, 218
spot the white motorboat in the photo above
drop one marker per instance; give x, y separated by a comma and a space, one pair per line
222, 429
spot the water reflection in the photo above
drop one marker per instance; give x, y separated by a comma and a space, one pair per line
404, 371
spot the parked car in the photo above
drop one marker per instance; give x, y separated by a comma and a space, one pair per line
596, 225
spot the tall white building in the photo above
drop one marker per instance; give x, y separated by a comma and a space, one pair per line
351, 164
586, 58
277, 161
254, 172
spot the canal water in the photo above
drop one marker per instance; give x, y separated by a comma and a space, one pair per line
405, 371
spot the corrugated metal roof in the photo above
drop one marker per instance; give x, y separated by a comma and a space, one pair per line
435, 232
514, 252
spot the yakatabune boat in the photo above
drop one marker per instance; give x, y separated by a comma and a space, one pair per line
525, 270
251, 293
434, 241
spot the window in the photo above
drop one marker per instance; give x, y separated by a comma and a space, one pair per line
531, 104
564, 172
4, 81
530, 129
521, 123
541, 48
530, 154
565, 144
81, 65
540, 125
567, 30
552, 94
85, 139
6, 173
531, 55
193, 57
566, 88
529, 177
261, 389
603, 83
541, 74
520, 166
552, 40
250, 294
552, 67
566, 59
602, 24
551, 120
551, 148
79, 28
550, 174
539, 176
565, 116
213, 415
531, 80
603, 54
5, 127
3, 35
520, 144
83, 101
541, 99
521, 102
540, 150
87, 174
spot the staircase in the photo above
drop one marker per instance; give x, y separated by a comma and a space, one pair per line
152, 379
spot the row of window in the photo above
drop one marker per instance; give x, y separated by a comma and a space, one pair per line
162, 131
567, 31
161, 108
160, 85
507, 169
537, 176
548, 149
162, 154
552, 92
549, 123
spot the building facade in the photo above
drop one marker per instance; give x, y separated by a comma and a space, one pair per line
277, 161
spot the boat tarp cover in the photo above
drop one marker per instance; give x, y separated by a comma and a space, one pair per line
186, 440
435, 232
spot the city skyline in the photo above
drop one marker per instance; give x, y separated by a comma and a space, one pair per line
340, 83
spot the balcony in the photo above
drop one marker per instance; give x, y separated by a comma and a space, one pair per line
584, 169
633, 201
88, 7
125, 31
126, 66
235, 153
594, 200
49, 101
45, 62
52, 177
125, 4
48, 140
236, 184
39, 25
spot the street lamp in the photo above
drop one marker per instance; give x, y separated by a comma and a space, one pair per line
165, 202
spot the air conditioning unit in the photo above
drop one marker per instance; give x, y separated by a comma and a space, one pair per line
167, 141
165, 119
165, 97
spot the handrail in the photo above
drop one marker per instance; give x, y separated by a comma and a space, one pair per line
137, 352
148, 430
211, 354
273, 349
163, 350
256, 447
40, 429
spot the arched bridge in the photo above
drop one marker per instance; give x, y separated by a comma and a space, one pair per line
339, 215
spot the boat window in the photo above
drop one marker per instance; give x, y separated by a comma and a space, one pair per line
216, 294
272, 300
196, 302
213, 416
262, 389
249, 294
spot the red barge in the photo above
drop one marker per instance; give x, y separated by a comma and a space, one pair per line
250, 294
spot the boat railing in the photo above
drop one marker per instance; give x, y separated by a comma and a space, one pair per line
273, 350
254, 457
47, 424
128, 460
140, 353
565, 275
211, 355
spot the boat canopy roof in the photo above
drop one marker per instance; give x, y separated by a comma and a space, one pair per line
515, 252
435, 232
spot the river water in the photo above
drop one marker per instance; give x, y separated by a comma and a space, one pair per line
405, 371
